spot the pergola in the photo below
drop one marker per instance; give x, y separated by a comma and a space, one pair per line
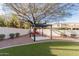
41, 26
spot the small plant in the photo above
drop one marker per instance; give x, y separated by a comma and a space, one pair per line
12, 35
63, 35
2, 36
73, 35
17, 34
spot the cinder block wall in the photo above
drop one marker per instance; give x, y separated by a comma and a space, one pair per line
7, 31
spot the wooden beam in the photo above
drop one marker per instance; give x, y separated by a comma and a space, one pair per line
30, 32
34, 34
42, 31
51, 32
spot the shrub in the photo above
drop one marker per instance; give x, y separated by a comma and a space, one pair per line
64, 35
73, 35
17, 34
12, 35
2, 36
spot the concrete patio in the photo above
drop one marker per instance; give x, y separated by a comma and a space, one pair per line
15, 42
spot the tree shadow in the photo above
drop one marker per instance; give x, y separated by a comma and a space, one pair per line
57, 44
65, 49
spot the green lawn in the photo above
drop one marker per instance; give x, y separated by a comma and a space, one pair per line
44, 49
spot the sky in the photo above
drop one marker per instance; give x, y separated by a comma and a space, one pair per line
1, 11
72, 19
4, 10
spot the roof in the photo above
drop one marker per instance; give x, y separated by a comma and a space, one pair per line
41, 25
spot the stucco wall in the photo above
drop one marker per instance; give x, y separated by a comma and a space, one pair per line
7, 31
58, 32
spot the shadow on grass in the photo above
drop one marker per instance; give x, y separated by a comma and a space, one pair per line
40, 49
65, 49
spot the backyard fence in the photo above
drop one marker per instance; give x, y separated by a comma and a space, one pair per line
7, 31
59, 32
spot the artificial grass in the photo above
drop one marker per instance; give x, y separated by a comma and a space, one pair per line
44, 49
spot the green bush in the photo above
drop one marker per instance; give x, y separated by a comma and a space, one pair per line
73, 35
17, 34
2, 36
63, 35
12, 35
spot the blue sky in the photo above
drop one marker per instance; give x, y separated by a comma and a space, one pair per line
1, 11
4, 10
72, 19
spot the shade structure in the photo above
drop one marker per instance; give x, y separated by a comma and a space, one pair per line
42, 26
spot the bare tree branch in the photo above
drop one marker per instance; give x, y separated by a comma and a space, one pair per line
34, 12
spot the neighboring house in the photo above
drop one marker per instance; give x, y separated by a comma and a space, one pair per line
74, 26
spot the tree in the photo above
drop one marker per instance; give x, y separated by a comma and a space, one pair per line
2, 21
41, 12
7, 23
14, 22
24, 25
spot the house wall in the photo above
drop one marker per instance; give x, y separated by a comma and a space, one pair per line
66, 25
7, 31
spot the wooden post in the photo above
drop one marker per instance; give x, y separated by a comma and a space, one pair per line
34, 34
30, 31
51, 32
42, 31
34, 37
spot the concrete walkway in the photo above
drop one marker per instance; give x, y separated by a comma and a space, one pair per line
15, 42
25, 40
